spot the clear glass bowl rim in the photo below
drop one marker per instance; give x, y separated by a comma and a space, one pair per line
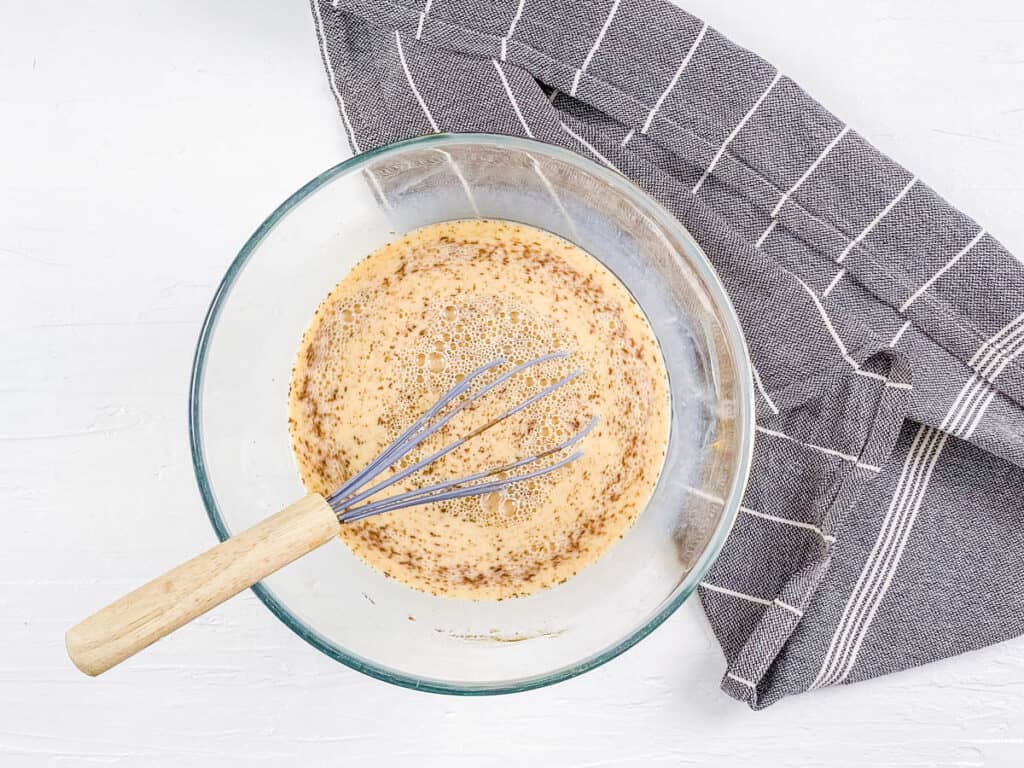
734, 339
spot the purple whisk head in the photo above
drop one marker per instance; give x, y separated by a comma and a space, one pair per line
350, 501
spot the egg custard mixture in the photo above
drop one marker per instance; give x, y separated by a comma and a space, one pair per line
414, 318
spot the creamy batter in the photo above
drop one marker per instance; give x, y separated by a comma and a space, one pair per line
414, 318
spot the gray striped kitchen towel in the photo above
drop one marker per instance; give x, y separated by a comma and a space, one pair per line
883, 524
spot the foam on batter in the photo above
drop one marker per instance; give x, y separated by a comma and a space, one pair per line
409, 322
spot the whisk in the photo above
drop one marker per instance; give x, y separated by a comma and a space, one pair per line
156, 609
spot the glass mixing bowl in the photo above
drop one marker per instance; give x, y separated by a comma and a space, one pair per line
353, 613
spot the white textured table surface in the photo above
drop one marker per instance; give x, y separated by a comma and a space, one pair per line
140, 144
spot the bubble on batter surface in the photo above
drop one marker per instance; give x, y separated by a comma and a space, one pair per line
521, 335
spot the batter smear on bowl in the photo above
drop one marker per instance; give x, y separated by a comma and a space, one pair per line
413, 318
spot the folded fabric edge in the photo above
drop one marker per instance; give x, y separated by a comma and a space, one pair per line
749, 674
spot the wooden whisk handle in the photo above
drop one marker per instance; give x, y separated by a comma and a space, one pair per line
156, 609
